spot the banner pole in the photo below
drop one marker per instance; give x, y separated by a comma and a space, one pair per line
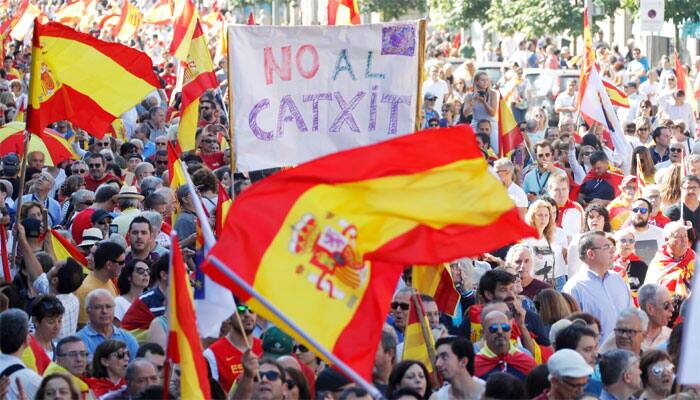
422, 24
221, 267
22, 182
231, 132
420, 311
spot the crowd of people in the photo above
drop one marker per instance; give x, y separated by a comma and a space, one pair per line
592, 307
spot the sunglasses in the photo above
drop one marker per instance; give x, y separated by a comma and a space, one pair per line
291, 384
661, 367
300, 348
269, 375
122, 262
120, 355
675, 150
142, 270
544, 155
98, 144
587, 153
641, 210
395, 305
627, 241
79, 171
503, 327
667, 306
88, 202
242, 309
95, 166
209, 141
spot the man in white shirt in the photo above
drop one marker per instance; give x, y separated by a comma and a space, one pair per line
634, 98
651, 88
647, 238
14, 338
436, 86
505, 171
570, 213
565, 104
677, 109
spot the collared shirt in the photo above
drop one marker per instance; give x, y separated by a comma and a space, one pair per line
71, 305
92, 339
52, 207
30, 379
536, 182
124, 220
603, 297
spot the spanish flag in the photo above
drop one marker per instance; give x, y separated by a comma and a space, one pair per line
35, 357
415, 343
618, 97
198, 77
161, 13
85, 80
509, 133
343, 12
177, 178
185, 16
129, 21
222, 207
588, 57
337, 232
437, 282
184, 347
63, 249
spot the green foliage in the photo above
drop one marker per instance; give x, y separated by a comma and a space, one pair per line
392, 9
461, 13
682, 11
535, 17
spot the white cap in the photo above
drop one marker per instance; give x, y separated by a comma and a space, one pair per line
568, 363
558, 327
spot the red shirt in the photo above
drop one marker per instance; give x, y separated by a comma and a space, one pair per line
228, 360
91, 184
213, 160
80, 223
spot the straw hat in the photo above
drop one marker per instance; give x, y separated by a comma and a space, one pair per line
129, 192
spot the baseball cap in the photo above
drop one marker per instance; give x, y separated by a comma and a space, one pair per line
330, 380
32, 227
99, 215
568, 363
276, 343
11, 159
428, 96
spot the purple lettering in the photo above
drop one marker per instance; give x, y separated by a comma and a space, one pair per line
345, 114
373, 108
253, 120
394, 116
288, 111
314, 99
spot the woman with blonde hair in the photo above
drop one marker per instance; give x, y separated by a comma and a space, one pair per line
549, 264
551, 306
647, 164
670, 186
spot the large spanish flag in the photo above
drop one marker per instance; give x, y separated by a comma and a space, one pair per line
185, 16
184, 347
85, 80
198, 77
509, 133
129, 21
334, 234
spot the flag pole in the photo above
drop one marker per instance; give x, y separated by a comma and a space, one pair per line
421, 61
420, 311
221, 267
22, 182
231, 131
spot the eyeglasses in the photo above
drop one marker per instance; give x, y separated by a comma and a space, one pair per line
627, 241
503, 327
604, 247
120, 355
544, 155
162, 162
640, 210
300, 348
79, 171
142, 270
395, 305
626, 331
74, 354
661, 367
209, 141
95, 166
242, 309
120, 262
575, 386
675, 150
269, 375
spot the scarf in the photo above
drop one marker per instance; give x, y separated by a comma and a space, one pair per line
611, 177
102, 386
674, 275
620, 264
486, 361
567, 206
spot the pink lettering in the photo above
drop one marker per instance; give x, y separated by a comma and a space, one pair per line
285, 70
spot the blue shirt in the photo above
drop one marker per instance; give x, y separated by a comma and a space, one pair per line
603, 297
536, 182
52, 207
92, 339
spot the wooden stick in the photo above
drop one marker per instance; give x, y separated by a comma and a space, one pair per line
422, 24
231, 131
425, 330
22, 181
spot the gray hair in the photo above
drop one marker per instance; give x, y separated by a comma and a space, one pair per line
515, 249
586, 242
83, 194
15, 327
154, 218
118, 239
673, 226
388, 341
692, 158
647, 294
613, 365
142, 166
134, 366
504, 162
125, 203
95, 293
149, 182
635, 312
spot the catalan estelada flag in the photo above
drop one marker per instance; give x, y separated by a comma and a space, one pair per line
337, 232
437, 282
89, 94
63, 249
415, 343
509, 135
184, 346
343, 12
198, 77
185, 16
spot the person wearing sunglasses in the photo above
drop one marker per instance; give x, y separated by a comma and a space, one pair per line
568, 375
631, 325
620, 373
226, 355
498, 353
261, 379
656, 302
108, 367
657, 375
398, 316
676, 153
627, 264
648, 238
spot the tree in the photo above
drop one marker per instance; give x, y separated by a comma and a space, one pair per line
392, 9
535, 18
461, 13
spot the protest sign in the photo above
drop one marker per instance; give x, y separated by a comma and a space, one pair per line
302, 92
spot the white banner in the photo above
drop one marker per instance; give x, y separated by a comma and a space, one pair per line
651, 15
306, 91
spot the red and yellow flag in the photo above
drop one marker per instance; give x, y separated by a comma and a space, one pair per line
129, 21
617, 97
436, 282
63, 249
198, 77
337, 232
74, 11
222, 207
415, 346
509, 133
588, 58
175, 174
23, 18
343, 12
89, 94
161, 13
184, 346
185, 16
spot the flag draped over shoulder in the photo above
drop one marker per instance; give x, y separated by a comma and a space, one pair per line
509, 133
185, 16
63, 249
85, 80
198, 77
184, 346
414, 340
337, 232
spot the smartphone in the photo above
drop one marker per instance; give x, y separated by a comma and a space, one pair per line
113, 228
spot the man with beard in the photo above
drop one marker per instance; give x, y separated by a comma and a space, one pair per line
225, 356
454, 361
499, 354
141, 239
691, 204
97, 172
647, 238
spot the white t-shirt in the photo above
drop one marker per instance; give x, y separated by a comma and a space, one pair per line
517, 194
564, 100
571, 222
121, 305
648, 242
444, 392
548, 256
